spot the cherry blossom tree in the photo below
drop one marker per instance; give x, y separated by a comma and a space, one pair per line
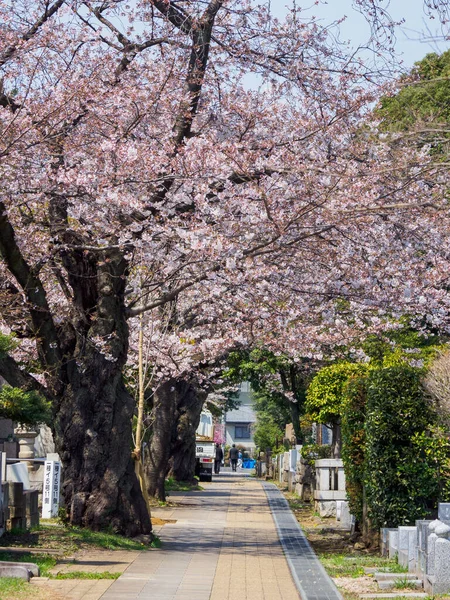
142, 173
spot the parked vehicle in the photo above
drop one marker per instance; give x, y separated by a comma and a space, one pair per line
205, 447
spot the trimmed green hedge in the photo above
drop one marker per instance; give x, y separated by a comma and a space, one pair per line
354, 442
401, 483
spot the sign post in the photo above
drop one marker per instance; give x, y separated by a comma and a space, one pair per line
50, 492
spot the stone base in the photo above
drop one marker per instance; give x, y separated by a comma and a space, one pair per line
325, 508
20, 508
37, 481
304, 491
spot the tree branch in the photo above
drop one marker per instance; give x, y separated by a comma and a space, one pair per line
200, 32
172, 295
9, 52
43, 326
16, 377
176, 15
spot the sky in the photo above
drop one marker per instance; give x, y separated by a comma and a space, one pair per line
418, 36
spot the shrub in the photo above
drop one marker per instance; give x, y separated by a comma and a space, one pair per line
268, 434
325, 396
354, 441
312, 452
399, 476
26, 408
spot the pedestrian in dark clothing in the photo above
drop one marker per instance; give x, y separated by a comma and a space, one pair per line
218, 459
234, 455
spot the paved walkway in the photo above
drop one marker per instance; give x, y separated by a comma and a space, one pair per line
225, 545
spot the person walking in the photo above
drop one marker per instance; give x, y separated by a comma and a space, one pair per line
234, 454
218, 459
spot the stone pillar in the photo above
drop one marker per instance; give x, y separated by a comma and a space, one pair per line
441, 566
431, 544
26, 438
393, 543
407, 547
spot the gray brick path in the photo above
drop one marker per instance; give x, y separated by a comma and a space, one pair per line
225, 545
183, 569
311, 579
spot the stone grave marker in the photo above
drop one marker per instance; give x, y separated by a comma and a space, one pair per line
393, 543
444, 511
441, 566
407, 546
422, 550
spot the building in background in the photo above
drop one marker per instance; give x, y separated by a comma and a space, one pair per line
239, 423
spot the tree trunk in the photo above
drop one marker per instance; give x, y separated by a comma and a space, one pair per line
370, 534
93, 418
190, 404
93, 438
82, 354
336, 441
295, 416
177, 405
156, 460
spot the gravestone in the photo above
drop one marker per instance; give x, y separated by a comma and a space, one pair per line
444, 511
346, 517
393, 543
18, 472
442, 530
407, 536
384, 539
422, 551
431, 545
441, 583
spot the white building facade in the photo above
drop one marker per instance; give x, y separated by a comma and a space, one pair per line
239, 423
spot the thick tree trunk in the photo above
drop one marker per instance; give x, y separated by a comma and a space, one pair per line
93, 437
190, 404
156, 459
93, 416
177, 405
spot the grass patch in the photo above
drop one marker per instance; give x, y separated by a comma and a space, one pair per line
343, 565
99, 539
404, 584
11, 585
295, 503
68, 539
86, 575
354, 596
171, 485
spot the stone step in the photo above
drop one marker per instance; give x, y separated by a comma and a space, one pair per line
373, 570
32, 567
384, 575
16, 572
394, 595
390, 583
23, 550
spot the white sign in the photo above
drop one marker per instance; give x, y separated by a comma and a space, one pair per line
50, 492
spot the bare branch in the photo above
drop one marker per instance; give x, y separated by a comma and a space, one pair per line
9, 52
17, 377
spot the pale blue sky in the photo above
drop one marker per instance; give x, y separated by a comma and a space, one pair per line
416, 37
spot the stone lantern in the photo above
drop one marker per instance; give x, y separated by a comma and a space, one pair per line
26, 438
